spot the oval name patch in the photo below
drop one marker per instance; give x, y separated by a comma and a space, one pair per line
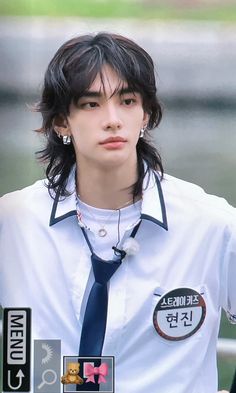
179, 314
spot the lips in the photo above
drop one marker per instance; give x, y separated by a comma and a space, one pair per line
113, 143
114, 139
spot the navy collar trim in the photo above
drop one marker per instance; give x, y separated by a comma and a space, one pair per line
53, 219
163, 223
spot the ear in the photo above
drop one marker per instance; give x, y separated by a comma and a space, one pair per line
146, 118
61, 126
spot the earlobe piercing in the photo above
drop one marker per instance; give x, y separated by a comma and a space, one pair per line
66, 139
142, 132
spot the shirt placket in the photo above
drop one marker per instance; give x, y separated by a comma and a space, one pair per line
117, 306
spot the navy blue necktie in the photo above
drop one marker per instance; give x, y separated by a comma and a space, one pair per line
95, 317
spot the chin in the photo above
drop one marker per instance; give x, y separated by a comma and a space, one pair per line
115, 161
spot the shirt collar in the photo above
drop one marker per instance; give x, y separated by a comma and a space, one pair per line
64, 207
153, 205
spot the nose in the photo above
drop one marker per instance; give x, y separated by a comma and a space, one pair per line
112, 120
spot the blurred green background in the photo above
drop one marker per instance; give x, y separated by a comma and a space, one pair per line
176, 9
196, 138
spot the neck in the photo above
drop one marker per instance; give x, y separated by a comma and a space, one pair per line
106, 188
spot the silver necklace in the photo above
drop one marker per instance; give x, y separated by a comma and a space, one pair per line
102, 231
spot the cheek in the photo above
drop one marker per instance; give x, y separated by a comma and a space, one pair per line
83, 143
80, 135
138, 115
77, 123
136, 127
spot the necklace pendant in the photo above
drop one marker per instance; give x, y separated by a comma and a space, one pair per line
102, 232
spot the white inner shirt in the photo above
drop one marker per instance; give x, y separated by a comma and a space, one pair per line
115, 222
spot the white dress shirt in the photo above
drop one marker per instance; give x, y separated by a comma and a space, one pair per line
45, 265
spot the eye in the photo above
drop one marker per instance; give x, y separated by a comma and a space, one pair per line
128, 101
88, 105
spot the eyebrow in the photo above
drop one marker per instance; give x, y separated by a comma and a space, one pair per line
93, 93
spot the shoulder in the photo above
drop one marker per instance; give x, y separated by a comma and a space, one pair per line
29, 201
192, 200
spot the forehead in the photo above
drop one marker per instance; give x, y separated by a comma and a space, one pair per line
108, 82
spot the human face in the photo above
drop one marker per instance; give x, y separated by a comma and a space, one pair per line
104, 126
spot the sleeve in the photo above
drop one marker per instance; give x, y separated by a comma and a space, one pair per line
228, 275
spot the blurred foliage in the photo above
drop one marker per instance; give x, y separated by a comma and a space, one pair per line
226, 368
227, 329
145, 9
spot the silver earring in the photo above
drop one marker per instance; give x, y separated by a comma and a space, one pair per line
142, 132
66, 139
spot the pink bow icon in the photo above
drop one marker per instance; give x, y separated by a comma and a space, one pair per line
90, 371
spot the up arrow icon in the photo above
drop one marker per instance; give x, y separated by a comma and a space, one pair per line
19, 375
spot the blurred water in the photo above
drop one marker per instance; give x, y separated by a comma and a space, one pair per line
197, 145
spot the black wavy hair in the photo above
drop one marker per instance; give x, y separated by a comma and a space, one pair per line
70, 74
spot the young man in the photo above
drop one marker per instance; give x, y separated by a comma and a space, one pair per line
106, 202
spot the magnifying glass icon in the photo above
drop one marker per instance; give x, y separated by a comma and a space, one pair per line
49, 377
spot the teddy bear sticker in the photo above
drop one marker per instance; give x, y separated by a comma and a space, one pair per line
71, 375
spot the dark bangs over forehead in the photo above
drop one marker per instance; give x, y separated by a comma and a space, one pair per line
78, 62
